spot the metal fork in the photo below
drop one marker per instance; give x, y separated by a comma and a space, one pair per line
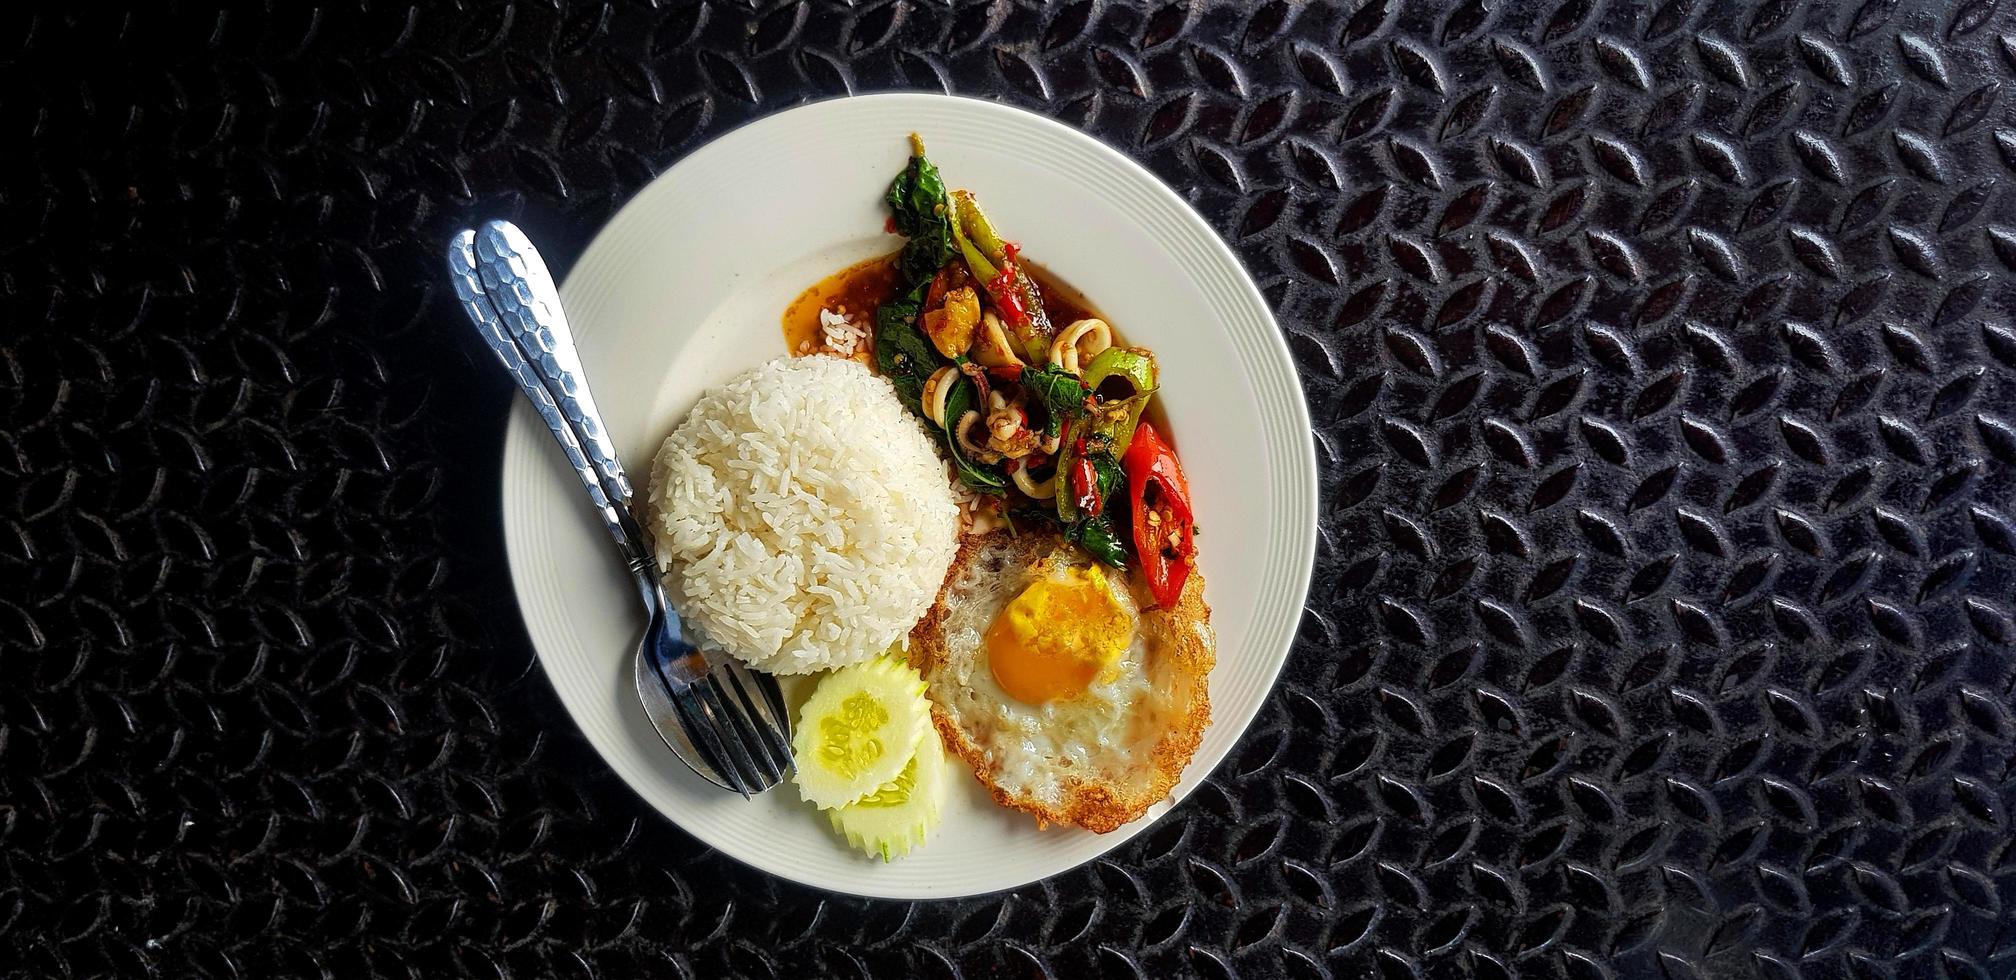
726, 723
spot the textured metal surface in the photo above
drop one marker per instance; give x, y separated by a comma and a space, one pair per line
1666, 394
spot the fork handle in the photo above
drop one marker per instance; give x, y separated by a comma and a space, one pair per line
508, 294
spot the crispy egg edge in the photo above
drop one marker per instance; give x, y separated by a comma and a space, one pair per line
1093, 806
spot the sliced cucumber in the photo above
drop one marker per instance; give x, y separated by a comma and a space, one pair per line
891, 821
857, 731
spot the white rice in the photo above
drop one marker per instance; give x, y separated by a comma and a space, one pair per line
802, 516
840, 334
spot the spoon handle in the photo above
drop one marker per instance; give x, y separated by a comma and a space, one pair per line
504, 287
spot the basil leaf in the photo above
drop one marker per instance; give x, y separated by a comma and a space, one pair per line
957, 403
923, 213
1106, 471
1061, 394
902, 353
1035, 514
1097, 537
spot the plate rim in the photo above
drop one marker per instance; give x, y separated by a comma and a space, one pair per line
1246, 290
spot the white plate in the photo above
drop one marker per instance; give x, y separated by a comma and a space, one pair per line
685, 288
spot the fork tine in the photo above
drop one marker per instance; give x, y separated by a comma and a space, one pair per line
754, 697
705, 730
749, 729
700, 722
774, 695
709, 697
769, 701
767, 772
775, 739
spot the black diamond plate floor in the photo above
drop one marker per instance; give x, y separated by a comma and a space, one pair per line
1665, 385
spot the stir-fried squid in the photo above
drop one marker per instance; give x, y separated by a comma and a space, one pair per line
1037, 419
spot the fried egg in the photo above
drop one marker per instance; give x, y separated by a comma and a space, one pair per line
1068, 697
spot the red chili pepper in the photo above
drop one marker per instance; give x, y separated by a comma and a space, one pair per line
1085, 486
1165, 544
1010, 250
889, 226
1008, 297
1007, 372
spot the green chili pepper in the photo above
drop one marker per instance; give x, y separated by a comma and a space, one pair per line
979, 230
992, 261
1124, 378
1069, 446
976, 261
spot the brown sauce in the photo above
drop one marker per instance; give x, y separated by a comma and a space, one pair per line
1063, 303
856, 291
861, 288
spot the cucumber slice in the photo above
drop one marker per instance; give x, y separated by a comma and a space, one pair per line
890, 821
857, 731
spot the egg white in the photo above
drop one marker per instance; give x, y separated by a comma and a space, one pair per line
1112, 739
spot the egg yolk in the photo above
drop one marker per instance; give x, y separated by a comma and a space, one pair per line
1056, 638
